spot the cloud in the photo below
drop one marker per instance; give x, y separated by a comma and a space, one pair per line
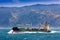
19, 3
16, 3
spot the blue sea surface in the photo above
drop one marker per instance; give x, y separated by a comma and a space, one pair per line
28, 36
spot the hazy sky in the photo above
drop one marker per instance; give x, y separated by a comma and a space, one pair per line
11, 1
27, 2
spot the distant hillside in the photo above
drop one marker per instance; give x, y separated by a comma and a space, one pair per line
35, 14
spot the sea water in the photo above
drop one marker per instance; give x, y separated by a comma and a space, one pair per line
29, 36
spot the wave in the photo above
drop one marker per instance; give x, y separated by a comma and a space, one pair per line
11, 32
55, 32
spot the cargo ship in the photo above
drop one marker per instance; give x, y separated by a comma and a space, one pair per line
45, 28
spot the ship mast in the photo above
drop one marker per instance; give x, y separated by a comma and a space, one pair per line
46, 26
39, 25
30, 24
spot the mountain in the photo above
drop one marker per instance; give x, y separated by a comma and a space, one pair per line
35, 14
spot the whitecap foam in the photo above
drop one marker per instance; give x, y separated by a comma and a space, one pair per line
55, 32
11, 32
